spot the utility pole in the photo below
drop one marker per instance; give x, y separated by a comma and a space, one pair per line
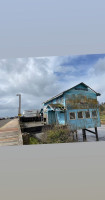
19, 109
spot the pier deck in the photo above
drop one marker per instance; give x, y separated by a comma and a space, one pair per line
10, 134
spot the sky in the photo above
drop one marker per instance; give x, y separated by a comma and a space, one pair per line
32, 27
39, 78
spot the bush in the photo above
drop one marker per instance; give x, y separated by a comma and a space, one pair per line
58, 134
34, 140
102, 108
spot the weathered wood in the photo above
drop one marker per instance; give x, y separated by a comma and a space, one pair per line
76, 136
97, 139
96, 133
84, 135
90, 131
79, 99
26, 138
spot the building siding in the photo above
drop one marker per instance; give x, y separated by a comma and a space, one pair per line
78, 99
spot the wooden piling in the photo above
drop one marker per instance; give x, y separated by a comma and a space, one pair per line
96, 132
84, 135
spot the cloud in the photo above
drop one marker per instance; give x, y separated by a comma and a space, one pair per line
38, 79
93, 74
99, 67
32, 77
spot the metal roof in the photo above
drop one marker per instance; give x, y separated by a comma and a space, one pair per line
98, 94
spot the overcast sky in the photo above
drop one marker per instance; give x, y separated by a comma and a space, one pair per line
38, 79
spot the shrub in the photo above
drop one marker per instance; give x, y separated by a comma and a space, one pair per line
58, 134
102, 108
34, 140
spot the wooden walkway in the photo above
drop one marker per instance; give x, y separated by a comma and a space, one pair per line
10, 134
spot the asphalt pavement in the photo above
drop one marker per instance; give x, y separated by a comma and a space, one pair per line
4, 121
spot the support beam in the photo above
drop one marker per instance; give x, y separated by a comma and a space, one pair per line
84, 134
97, 139
90, 131
96, 133
76, 136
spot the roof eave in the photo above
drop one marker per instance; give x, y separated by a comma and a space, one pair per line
54, 97
98, 94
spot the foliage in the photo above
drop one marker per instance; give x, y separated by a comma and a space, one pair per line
102, 112
102, 117
58, 134
102, 107
34, 140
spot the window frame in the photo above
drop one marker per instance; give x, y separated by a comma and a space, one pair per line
89, 114
74, 114
96, 114
82, 114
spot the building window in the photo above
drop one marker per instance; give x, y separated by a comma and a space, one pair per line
72, 115
87, 114
80, 115
94, 114
44, 119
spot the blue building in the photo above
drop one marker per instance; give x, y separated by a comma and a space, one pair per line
76, 107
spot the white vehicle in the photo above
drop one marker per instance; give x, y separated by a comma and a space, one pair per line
31, 113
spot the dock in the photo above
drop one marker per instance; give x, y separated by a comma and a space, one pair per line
10, 134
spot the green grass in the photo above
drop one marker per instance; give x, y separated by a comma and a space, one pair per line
34, 140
